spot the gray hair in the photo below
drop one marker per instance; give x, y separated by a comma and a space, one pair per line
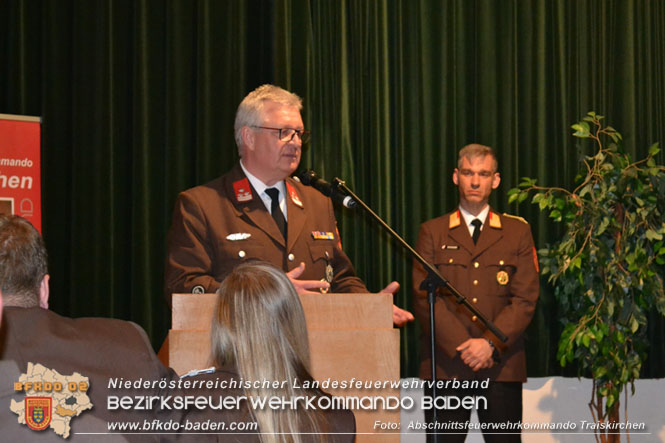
250, 110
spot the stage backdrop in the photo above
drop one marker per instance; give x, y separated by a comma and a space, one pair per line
138, 100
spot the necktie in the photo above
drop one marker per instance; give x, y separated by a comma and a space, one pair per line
276, 211
476, 229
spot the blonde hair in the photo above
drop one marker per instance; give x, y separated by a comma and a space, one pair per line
476, 150
250, 110
259, 327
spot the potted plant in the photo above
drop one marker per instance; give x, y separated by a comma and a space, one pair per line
606, 268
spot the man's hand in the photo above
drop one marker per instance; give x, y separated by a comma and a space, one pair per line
476, 353
305, 286
400, 316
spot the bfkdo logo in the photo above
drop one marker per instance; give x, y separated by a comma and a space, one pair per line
38, 412
51, 401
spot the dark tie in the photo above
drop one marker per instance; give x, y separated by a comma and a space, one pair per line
276, 211
476, 229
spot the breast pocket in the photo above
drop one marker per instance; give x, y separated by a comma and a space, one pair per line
501, 269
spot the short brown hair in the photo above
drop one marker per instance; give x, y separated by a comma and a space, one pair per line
476, 150
23, 261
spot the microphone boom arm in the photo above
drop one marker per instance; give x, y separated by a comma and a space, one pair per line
434, 277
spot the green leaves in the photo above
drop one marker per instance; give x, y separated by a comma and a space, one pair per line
605, 267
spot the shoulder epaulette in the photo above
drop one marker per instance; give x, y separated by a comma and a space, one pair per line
516, 217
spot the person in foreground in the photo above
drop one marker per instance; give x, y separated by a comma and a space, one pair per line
259, 333
96, 348
490, 259
256, 211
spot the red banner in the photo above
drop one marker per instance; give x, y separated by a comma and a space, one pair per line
20, 167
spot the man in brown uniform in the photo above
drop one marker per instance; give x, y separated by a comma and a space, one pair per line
491, 259
256, 211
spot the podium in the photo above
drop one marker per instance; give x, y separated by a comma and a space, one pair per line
351, 339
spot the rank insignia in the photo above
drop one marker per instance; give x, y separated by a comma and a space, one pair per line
236, 236
321, 235
451, 247
38, 412
495, 221
243, 190
295, 198
454, 220
502, 278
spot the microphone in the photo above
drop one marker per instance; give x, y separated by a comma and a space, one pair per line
310, 178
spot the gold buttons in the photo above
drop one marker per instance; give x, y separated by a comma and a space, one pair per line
476, 264
475, 283
501, 262
291, 257
475, 300
242, 254
474, 318
450, 261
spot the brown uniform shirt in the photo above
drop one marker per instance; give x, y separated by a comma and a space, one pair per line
499, 275
218, 225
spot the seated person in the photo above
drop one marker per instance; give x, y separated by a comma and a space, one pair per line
96, 348
259, 333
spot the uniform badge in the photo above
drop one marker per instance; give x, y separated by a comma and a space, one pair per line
295, 198
502, 278
38, 412
198, 289
451, 247
454, 220
495, 221
236, 236
322, 235
243, 190
330, 273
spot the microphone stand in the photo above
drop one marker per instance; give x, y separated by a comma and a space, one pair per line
433, 281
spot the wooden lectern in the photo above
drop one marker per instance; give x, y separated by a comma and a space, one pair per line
351, 339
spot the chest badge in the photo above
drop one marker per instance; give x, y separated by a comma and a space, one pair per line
330, 273
236, 236
321, 235
502, 278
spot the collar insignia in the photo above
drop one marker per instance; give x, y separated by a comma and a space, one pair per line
243, 190
454, 220
495, 221
295, 198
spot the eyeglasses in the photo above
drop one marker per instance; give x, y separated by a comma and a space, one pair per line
287, 134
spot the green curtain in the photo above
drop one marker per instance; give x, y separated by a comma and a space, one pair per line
394, 88
138, 101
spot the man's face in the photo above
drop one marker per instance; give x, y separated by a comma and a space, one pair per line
266, 156
475, 179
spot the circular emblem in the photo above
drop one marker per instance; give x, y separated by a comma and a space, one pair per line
323, 290
198, 289
502, 278
329, 273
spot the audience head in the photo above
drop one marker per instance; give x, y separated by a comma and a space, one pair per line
23, 263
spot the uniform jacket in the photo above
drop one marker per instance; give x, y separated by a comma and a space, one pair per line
97, 348
499, 276
218, 225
